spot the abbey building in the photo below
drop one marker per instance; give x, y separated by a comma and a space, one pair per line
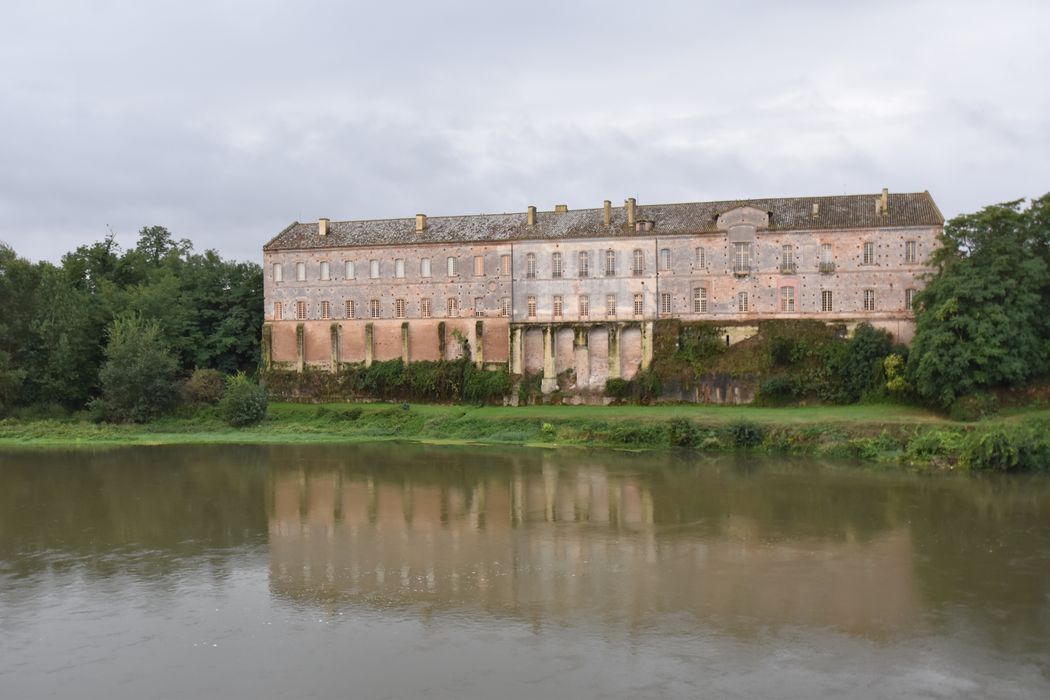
546, 291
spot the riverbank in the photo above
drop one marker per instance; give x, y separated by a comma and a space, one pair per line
872, 432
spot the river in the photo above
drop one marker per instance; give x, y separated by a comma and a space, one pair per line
412, 571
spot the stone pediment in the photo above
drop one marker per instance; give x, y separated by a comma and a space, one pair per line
749, 217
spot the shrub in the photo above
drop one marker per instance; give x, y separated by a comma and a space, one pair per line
204, 387
484, 386
617, 388
244, 402
139, 377
931, 444
778, 390
682, 433
973, 407
746, 434
1008, 448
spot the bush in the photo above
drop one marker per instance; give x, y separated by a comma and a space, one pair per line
746, 433
682, 433
484, 386
617, 388
204, 387
778, 390
1008, 448
973, 407
244, 402
139, 377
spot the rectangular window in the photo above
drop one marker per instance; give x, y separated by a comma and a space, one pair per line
479, 306
639, 305
741, 258
278, 272
610, 305
452, 265
452, 307
869, 299
787, 259
699, 300
399, 308
504, 307
349, 271
585, 306
909, 298
827, 257
374, 308
326, 310
504, 264
665, 303
556, 265
610, 263
701, 258
869, 253
787, 299
530, 265
300, 272
741, 302
532, 307
911, 252
300, 310
278, 311
557, 305
638, 262
373, 269
584, 263
827, 300
479, 265
350, 311
399, 267
424, 267
424, 307
665, 259
325, 271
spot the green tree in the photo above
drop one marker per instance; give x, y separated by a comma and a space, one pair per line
139, 379
982, 319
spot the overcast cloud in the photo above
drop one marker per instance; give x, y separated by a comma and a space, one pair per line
225, 120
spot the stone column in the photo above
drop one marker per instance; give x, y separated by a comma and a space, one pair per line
647, 344
369, 344
334, 338
300, 349
479, 344
550, 377
614, 351
404, 342
267, 345
581, 356
517, 350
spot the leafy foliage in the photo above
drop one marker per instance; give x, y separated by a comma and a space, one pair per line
244, 402
139, 377
204, 387
982, 320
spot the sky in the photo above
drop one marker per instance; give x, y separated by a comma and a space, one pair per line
226, 120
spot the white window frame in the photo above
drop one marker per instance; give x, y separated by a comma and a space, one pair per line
787, 299
451, 265
665, 259
868, 254
701, 258
424, 307
585, 306
326, 271
349, 308
278, 272
300, 272
424, 267
373, 269
665, 303
375, 308
610, 305
743, 303
699, 300
531, 306
827, 300
583, 261
556, 265
400, 308
637, 262
399, 267
348, 270
869, 299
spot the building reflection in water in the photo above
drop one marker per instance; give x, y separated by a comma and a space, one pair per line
551, 542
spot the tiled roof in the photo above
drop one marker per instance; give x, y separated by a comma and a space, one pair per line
786, 214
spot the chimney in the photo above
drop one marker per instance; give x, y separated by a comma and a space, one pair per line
322, 227
421, 223
561, 208
606, 213
531, 216
885, 201
816, 210
629, 206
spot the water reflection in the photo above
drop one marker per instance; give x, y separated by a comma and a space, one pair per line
557, 538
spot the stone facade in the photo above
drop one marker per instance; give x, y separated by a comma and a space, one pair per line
573, 294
